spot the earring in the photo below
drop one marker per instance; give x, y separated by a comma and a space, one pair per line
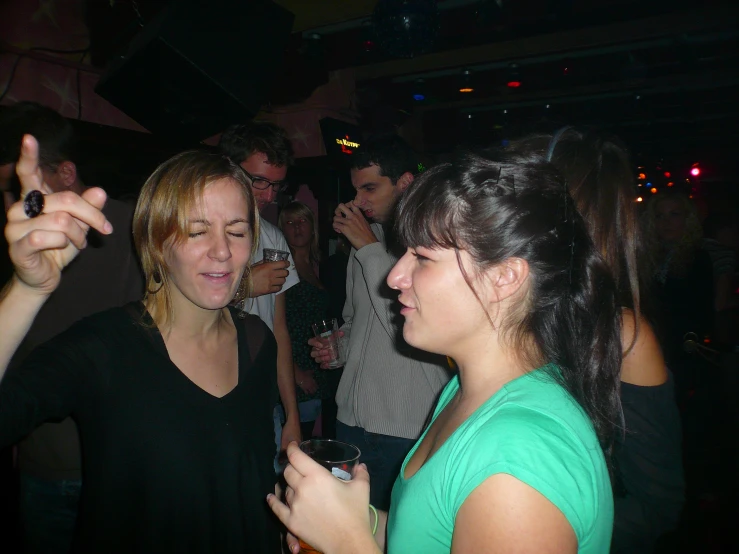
156, 276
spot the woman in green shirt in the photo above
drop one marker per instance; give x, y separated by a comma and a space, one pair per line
500, 274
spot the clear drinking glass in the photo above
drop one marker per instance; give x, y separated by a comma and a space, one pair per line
272, 255
327, 330
336, 456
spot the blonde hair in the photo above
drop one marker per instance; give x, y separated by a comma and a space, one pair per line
299, 209
161, 218
687, 246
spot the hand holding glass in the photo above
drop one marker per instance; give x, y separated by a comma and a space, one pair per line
336, 456
327, 331
272, 255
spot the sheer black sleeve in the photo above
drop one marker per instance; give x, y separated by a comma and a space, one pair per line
51, 383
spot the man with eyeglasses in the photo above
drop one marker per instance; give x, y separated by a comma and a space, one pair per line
264, 152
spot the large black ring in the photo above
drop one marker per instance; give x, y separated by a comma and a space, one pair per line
33, 204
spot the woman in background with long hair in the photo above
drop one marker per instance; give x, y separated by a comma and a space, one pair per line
649, 486
307, 303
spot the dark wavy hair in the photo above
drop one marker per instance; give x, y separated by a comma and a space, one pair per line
390, 153
498, 206
238, 142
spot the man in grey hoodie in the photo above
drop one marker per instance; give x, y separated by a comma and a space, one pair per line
388, 388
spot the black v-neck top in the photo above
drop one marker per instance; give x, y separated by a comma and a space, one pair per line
167, 467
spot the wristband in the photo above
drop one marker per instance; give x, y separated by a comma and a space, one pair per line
377, 519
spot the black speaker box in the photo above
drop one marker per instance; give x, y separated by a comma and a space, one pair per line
199, 66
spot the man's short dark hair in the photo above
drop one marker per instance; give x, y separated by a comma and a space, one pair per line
54, 133
390, 153
238, 142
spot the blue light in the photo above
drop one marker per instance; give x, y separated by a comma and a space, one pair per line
419, 97
649, 184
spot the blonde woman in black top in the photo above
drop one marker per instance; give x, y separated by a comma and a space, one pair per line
173, 396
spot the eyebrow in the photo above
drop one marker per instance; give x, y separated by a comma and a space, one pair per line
365, 185
232, 222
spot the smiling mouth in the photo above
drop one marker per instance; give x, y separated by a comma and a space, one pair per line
217, 276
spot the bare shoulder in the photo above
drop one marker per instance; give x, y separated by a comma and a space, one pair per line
505, 515
643, 363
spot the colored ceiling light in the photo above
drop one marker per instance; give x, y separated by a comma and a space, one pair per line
668, 174
465, 84
642, 176
695, 171
639, 199
653, 190
418, 92
514, 77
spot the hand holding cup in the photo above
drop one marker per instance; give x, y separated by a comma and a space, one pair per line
328, 350
326, 501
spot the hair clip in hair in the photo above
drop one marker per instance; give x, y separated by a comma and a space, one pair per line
555, 139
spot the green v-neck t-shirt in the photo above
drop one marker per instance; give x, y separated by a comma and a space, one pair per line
531, 429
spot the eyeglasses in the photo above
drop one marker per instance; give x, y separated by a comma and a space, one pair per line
261, 183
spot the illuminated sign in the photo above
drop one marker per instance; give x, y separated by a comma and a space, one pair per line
341, 139
347, 146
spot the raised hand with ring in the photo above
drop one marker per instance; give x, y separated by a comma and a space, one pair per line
47, 230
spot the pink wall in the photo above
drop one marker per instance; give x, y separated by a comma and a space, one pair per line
49, 78
52, 79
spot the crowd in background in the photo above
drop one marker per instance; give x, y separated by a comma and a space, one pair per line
629, 312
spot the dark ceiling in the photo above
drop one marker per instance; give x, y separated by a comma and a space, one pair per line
664, 75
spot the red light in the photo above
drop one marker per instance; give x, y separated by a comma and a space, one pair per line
368, 45
514, 84
668, 174
653, 190
670, 184
695, 171
642, 176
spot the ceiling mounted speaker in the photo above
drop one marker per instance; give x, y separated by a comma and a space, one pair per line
199, 66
